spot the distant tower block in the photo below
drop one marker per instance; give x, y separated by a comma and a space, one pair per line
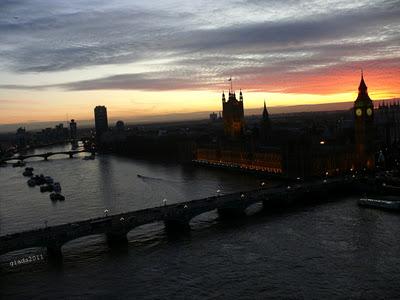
101, 121
233, 114
364, 127
73, 130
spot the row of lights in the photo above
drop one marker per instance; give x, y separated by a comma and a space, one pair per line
164, 201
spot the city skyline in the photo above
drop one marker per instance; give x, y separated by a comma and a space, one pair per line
144, 59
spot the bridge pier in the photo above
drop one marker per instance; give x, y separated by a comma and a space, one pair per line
71, 155
46, 157
177, 225
231, 212
116, 238
54, 251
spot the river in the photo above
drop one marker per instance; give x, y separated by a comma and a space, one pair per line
331, 250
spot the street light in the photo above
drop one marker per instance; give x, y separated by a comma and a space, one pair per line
122, 219
242, 196
262, 183
185, 206
164, 202
106, 212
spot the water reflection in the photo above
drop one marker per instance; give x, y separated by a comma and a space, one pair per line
107, 182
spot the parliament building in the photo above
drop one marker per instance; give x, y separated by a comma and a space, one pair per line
233, 114
294, 152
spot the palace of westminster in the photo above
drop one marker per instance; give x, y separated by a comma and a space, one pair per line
297, 145
359, 139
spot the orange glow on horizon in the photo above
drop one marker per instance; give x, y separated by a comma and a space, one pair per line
335, 86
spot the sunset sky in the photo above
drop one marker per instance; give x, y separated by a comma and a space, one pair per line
151, 57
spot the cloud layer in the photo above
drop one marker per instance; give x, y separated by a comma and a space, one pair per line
285, 46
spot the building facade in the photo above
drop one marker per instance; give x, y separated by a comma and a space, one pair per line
101, 121
73, 130
233, 115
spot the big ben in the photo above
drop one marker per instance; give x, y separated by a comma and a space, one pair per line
364, 128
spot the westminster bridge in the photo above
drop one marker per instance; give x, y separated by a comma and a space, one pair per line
45, 155
176, 217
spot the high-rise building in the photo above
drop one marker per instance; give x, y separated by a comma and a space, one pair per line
73, 130
364, 127
233, 114
101, 121
21, 137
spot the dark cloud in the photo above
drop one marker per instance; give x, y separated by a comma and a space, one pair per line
51, 37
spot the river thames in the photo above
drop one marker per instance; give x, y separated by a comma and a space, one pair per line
334, 249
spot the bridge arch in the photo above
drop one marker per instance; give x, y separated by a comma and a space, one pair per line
203, 218
90, 239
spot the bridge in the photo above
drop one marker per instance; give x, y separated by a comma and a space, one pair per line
175, 216
46, 155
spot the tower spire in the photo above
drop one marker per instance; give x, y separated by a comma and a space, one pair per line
265, 111
362, 88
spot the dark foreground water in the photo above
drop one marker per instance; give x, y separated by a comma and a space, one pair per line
331, 250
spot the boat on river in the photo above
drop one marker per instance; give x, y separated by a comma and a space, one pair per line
46, 188
48, 179
28, 172
382, 202
56, 196
57, 187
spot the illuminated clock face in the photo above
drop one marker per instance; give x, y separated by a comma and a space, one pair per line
369, 111
358, 112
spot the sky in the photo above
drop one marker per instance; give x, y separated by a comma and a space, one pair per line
59, 59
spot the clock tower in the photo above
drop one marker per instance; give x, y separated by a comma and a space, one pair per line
364, 127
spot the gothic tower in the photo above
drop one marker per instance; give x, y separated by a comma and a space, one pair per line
233, 114
364, 127
265, 123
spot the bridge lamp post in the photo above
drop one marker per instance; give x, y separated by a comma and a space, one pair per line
106, 212
122, 219
262, 183
242, 196
164, 202
185, 207
218, 192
